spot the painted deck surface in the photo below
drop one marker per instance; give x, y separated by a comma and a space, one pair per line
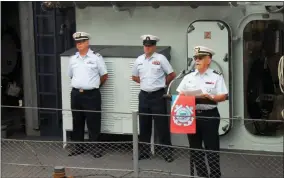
37, 159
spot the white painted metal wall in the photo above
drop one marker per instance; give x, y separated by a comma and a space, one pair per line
108, 27
115, 101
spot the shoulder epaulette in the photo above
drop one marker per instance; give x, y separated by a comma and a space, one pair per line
98, 54
188, 72
217, 72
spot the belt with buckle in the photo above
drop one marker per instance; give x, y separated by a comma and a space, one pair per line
205, 110
82, 90
200, 111
152, 92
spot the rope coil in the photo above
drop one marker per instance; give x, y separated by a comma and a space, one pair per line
281, 73
281, 78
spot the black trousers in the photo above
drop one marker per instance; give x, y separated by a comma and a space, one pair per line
153, 103
207, 132
86, 100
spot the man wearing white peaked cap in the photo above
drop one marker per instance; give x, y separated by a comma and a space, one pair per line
214, 90
153, 72
88, 73
150, 40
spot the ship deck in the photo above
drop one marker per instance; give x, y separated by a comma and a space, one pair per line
30, 158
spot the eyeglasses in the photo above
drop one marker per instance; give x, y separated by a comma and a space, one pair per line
198, 57
148, 45
80, 41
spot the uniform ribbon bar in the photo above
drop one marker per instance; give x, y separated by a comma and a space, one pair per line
183, 119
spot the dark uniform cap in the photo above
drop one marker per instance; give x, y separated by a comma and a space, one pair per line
78, 36
149, 40
203, 51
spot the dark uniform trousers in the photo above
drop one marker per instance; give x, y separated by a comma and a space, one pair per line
206, 131
153, 103
86, 100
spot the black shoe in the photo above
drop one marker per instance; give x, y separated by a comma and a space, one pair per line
144, 156
97, 155
75, 153
141, 157
169, 159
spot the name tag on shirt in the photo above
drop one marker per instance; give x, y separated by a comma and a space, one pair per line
212, 83
156, 62
90, 62
210, 87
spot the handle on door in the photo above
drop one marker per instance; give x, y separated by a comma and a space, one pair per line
226, 57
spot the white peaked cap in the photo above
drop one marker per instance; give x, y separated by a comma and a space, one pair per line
202, 50
150, 37
81, 36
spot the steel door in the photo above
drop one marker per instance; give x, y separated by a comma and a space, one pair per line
217, 36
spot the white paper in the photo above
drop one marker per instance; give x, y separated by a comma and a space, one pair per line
192, 92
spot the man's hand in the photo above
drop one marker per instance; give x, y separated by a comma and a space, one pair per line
217, 98
103, 79
206, 96
170, 77
136, 79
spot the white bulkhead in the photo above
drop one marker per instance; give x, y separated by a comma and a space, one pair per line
171, 24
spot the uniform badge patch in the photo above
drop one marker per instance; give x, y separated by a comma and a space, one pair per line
156, 62
78, 35
196, 50
209, 82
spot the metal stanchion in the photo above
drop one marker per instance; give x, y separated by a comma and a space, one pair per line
152, 144
135, 143
59, 172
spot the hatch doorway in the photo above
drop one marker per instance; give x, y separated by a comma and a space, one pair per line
209, 33
263, 99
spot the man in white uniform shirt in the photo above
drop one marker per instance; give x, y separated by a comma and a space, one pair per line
153, 72
88, 72
214, 89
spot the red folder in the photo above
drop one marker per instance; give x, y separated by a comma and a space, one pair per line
183, 119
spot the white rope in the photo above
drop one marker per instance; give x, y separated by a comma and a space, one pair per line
281, 78
281, 73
